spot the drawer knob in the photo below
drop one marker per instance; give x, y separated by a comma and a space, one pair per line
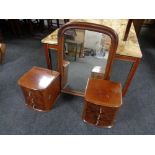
98, 119
32, 100
30, 93
97, 122
100, 110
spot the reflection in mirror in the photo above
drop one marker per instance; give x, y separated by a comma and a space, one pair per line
85, 55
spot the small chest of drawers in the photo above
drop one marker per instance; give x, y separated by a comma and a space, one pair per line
102, 102
40, 87
99, 115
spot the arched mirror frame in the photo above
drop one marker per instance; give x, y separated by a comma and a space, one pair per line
91, 27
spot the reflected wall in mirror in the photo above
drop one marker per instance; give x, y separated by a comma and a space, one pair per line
85, 55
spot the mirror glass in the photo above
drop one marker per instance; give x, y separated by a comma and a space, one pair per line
85, 55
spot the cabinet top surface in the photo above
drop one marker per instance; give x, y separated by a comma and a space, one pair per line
127, 48
103, 92
38, 78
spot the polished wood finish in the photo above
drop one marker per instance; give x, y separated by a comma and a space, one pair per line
103, 92
40, 87
100, 116
2, 52
102, 101
92, 27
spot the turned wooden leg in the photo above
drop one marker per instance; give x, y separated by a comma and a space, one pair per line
127, 29
47, 56
130, 76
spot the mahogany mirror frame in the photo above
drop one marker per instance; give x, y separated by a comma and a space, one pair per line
91, 27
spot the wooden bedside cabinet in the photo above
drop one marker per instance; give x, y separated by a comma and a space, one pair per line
40, 87
102, 101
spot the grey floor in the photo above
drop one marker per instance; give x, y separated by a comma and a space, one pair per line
80, 71
137, 115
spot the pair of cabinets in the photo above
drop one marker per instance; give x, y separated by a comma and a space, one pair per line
41, 88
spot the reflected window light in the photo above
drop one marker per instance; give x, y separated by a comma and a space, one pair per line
97, 69
45, 81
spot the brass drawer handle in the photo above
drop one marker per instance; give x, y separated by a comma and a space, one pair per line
98, 119
30, 93
99, 116
33, 106
97, 122
32, 100
100, 110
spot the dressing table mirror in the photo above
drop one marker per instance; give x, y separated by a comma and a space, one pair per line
85, 50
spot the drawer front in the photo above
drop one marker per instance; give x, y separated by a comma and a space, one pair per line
99, 115
106, 116
92, 107
90, 113
108, 112
104, 123
90, 117
28, 96
34, 99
